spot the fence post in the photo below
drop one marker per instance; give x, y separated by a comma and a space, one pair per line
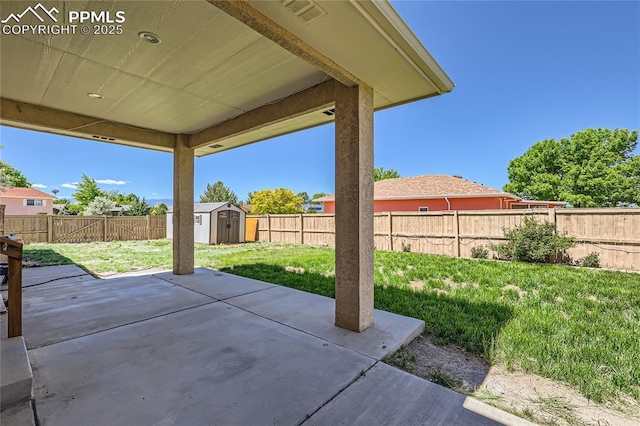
268, 228
49, 229
390, 225
148, 229
301, 227
105, 228
552, 218
13, 250
456, 232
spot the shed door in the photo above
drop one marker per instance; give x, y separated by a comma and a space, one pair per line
234, 227
228, 227
223, 231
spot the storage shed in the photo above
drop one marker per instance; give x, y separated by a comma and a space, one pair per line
214, 223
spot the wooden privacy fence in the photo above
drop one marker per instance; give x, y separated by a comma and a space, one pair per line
612, 233
82, 229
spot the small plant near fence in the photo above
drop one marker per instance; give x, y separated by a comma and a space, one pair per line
479, 252
406, 248
534, 242
592, 260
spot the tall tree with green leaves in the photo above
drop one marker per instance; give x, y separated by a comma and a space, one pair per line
217, 193
87, 191
592, 168
379, 173
278, 201
305, 197
121, 198
12, 177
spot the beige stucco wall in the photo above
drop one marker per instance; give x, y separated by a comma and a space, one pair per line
15, 206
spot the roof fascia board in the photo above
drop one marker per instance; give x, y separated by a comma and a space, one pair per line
260, 23
432, 197
400, 35
33, 117
313, 99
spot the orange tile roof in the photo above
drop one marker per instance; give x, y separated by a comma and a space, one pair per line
428, 186
30, 193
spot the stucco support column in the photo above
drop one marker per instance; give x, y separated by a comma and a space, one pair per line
354, 207
183, 244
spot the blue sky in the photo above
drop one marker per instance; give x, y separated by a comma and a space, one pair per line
524, 72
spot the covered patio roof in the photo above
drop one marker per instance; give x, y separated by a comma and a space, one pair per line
199, 77
227, 73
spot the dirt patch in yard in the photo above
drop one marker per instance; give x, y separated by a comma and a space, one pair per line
533, 397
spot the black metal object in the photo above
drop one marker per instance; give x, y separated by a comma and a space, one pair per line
4, 272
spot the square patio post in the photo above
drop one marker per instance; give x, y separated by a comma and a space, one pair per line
354, 206
183, 243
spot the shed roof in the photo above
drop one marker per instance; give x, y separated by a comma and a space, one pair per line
208, 207
227, 73
6, 192
429, 186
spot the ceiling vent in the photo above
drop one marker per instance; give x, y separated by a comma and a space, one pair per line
306, 10
215, 146
331, 111
103, 138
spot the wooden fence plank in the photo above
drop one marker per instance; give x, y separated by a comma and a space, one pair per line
612, 233
79, 229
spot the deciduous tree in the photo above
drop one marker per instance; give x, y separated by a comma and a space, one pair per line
87, 191
12, 177
305, 196
99, 206
592, 168
278, 201
159, 209
379, 173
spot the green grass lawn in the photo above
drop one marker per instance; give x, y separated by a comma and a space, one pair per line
574, 325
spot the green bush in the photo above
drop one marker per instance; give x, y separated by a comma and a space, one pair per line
533, 241
592, 260
479, 252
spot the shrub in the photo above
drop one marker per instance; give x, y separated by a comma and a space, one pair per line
592, 260
533, 241
99, 206
479, 252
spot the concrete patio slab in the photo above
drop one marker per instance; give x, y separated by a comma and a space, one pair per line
214, 364
388, 396
141, 350
64, 310
315, 315
47, 274
18, 415
215, 284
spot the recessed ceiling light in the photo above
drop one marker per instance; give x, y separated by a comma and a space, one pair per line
95, 96
149, 37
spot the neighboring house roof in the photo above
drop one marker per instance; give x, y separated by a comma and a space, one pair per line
543, 202
30, 193
122, 208
205, 207
429, 186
